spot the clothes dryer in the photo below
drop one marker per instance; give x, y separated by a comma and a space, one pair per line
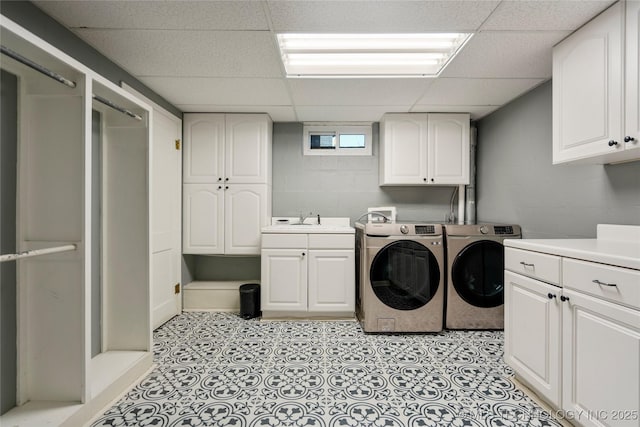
400, 274
475, 275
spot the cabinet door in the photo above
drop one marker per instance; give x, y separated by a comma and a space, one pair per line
532, 333
632, 77
284, 280
203, 153
403, 153
448, 137
245, 213
248, 148
203, 210
587, 89
331, 280
601, 350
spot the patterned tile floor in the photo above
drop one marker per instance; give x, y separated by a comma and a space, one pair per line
216, 369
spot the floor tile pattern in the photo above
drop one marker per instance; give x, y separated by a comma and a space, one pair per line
216, 369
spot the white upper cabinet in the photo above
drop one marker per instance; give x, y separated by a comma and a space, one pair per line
424, 149
230, 148
448, 136
203, 154
590, 86
632, 105
248, 148
227, 177
403, 152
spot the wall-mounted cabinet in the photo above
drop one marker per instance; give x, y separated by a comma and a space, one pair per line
227, 182
596, 118
83, 180
424, 149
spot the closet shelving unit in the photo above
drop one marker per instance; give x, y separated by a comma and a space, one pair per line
60, 379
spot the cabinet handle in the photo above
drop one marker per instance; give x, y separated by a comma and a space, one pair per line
227, 179
550, 295
524, 264
563, 298
219, 179
424, 179
629, 138
598, 282
219, 187
303, 254
612, 143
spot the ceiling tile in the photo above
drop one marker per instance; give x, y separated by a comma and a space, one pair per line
544, 15
341, 113
365, 91
166, 15
378, 16
220, 91
189, 53
277, 113
460, 91
506, 54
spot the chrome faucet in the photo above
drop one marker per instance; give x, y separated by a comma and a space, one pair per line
302, 218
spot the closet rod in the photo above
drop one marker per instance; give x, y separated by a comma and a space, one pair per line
116, 107
37, 252
29, 63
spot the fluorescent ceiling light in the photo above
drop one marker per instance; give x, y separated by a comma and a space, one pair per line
368, 55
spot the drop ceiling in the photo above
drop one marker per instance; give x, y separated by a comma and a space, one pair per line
222, 56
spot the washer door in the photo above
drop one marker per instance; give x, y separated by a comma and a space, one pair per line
404, 275
477, 274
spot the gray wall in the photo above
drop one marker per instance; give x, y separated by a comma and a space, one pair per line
516, 182
8, 177
33, 19
343, 186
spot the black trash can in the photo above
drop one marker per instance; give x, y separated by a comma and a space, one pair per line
249, 300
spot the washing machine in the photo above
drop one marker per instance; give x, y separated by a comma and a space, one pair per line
475, 275
400, 273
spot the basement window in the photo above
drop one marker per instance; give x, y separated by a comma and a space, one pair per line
327, 139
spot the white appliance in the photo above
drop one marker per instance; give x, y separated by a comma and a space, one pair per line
475, 275
400, 277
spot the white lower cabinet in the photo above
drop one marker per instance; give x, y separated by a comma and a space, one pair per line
312, 274
533, 333
577, 345
601, 354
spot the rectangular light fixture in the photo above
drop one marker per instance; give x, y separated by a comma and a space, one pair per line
368, 55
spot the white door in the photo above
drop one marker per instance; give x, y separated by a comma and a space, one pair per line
404, 149
248, 144
166, 217
245, 213
532, 333
601, 349
203, 148
166, 212
448, 136
587, 89
203, 219
331, 280
283, 280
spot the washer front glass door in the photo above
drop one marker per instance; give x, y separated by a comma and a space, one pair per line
478, 274
404, 275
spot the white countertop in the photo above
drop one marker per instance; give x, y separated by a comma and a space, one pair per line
329, 225
614, 245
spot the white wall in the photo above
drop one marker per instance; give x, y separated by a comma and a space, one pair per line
517, 183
